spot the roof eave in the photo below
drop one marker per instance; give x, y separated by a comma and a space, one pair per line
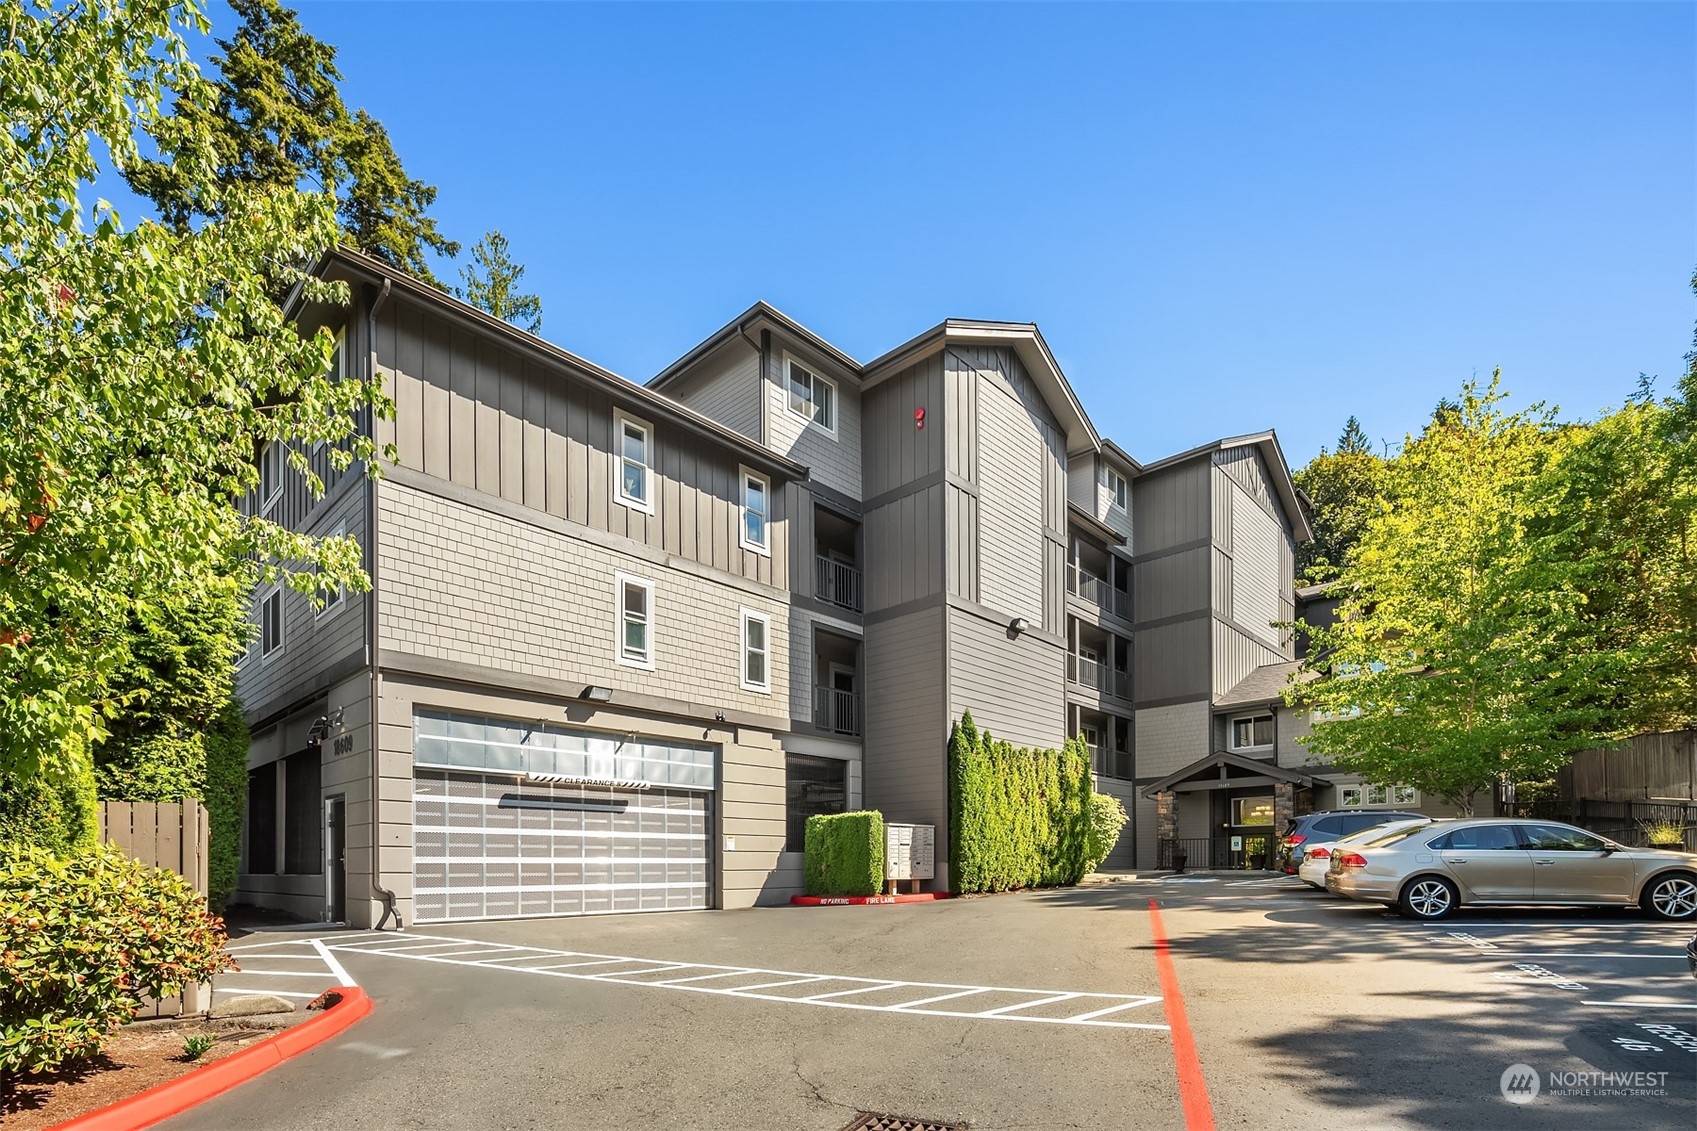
376, 271
1027, 341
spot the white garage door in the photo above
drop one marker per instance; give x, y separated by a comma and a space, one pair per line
563, 823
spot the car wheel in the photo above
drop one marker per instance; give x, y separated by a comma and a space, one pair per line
1428, 898
1671, 897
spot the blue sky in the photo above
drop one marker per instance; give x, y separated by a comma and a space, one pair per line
1224, 217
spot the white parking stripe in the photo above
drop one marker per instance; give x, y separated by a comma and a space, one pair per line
775, 985
578, 968
1670, 957
1095, 1013
1646, 1004
681, 981
266, 993
863, 990
319, 974
1024, 1005
939, 997
342, 978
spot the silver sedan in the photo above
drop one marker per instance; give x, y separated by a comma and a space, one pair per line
1429, 871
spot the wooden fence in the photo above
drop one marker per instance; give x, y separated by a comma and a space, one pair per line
1651, 768
166, 834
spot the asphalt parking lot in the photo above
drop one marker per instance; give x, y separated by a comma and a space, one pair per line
1272, 1006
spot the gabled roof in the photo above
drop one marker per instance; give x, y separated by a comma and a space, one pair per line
1121, 454
360, 265
1222, 762
1273, 455
1265, 684
750, 320
1026, 341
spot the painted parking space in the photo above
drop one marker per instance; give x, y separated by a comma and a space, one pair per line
296, 969
1079, 1008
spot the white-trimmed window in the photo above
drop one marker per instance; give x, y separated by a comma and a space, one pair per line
1251, 732
635, 645
1372, 796
271, 622
756, 652
333, 598
633, 443
756, 512
272, 459
811, 397
1115, 483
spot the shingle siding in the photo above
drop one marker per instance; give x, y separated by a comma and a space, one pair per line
467, 585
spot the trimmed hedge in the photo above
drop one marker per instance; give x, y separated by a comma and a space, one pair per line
845, 853
1020, 817
1107, 818
82, 939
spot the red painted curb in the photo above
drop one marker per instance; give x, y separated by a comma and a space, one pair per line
865, 900
144, 1109
1192, 1088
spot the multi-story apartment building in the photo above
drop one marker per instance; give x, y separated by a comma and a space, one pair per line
622, 639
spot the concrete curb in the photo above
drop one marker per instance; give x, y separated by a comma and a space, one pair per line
865, 900
144, 1109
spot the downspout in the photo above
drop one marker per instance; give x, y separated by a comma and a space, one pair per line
387, 896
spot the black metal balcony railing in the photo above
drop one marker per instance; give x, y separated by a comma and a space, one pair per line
1088, 587
1098, 677
837, 584
1110, 763
836, 711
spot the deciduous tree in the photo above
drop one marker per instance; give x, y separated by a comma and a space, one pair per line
141, 368
1451, 665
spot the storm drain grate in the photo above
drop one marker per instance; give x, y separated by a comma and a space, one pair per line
878, 1121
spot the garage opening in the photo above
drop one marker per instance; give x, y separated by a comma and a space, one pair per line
515, 820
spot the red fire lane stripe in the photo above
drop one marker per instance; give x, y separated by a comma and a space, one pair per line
1192, 1088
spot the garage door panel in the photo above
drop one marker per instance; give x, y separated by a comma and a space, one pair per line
487, 849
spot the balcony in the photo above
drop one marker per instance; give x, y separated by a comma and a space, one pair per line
837, 583
1095, 591
836, 711
1098, 677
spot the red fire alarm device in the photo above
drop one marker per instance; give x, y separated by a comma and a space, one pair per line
919, 419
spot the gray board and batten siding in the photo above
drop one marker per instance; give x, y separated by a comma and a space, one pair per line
482, 416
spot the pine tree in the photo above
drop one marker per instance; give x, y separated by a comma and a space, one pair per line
491, 282
273, 117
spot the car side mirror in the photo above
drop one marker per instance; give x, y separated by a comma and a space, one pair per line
1610, 846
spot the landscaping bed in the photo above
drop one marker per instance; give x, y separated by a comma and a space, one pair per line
137, 1057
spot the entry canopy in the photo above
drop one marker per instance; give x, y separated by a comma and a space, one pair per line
1225, 770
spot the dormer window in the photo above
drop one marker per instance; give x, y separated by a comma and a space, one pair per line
1115, 483
812, 397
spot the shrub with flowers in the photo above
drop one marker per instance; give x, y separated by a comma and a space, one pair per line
82, 939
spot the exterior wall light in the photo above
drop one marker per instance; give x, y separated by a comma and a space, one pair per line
596, 694
1017, 626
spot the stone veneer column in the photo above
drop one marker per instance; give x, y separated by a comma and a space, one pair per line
1284, 805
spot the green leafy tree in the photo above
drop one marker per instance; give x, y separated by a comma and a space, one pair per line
1451, 666
491, 284
1620, 529
1343, 486
273, 117
141, 369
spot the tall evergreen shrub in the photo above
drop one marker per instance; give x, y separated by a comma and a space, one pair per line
1020, 818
